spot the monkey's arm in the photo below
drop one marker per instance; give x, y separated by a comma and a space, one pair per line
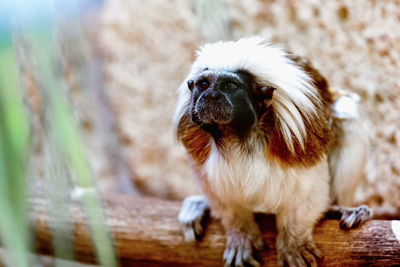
193, 217
243, 237
243, 234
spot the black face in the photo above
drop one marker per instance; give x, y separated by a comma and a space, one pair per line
223, 98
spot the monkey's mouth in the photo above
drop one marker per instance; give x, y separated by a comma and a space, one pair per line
213, 112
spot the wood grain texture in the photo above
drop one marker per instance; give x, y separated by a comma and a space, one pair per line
147, 233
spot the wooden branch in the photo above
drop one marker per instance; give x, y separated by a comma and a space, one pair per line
147, 233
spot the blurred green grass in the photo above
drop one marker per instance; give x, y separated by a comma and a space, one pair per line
61, 129
14, 141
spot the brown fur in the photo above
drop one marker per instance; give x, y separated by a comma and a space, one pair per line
315, 145
195, 140
318, 132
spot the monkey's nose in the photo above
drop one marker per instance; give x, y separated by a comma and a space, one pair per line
212, 94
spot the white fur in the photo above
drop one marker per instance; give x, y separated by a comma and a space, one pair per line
345, 108
260, 185
183, 103
348, 158
191, 215
270, 66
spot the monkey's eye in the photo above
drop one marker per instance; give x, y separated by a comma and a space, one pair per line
231, 86
203, 84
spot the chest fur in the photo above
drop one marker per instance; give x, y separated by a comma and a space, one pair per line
247, 173
248, 178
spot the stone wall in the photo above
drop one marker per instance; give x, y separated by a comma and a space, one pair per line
149, 45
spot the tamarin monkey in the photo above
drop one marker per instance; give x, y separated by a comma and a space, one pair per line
265, 134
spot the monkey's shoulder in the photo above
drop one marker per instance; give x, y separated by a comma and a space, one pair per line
316, 141
315, 146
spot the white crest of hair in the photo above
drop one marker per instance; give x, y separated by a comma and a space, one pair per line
270, 65
251, 181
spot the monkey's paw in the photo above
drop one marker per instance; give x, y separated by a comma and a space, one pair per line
353, 217
240, 249
193, 216
298, 256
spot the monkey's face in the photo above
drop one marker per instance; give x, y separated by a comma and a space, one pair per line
222, 98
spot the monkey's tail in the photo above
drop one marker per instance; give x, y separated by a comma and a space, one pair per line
349, 150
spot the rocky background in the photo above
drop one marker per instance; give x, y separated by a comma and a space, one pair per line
148, 46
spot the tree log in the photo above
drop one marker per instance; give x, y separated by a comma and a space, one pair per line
146, 233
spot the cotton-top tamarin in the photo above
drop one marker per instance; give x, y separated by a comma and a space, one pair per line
265, 134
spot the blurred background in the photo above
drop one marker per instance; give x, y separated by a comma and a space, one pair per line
88, 91
148, 47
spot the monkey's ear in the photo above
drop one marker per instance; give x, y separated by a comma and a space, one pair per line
190, 84
267, 92
264, 95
